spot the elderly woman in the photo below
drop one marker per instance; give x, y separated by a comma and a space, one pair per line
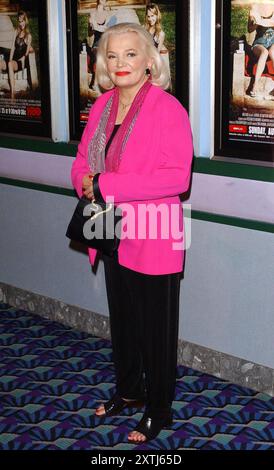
148, 164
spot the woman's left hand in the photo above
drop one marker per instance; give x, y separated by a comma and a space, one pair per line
23, 61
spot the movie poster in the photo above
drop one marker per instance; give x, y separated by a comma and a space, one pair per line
245, 80
23, 67
252, 42
93, 18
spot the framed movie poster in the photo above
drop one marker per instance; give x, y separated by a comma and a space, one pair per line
24, 72
87, 20
245, 80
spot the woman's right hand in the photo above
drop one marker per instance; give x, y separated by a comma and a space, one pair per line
87, 185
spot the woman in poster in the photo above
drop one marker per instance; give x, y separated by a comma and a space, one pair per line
153, 25
97, 24
98, 20
145, 134
20, 49
261, 19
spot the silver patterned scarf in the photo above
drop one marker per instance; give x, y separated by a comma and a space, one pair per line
96, 148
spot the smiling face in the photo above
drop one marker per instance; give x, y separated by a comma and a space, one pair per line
127, 60
152, 17
21, 22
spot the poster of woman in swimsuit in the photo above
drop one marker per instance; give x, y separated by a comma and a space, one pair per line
248, 96
93, 18
23, 64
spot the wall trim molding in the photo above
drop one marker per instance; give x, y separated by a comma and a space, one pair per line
221, 166
230, 368
249, 224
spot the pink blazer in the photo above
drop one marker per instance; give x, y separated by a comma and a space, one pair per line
155, 168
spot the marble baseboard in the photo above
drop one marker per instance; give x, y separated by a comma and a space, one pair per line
233, 369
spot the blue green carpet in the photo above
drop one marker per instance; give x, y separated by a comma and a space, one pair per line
52, 377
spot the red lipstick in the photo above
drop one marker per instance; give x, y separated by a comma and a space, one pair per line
121, 74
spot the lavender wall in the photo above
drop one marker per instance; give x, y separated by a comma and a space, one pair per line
217, 194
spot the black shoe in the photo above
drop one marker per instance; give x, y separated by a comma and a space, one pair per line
150, 426
116, 404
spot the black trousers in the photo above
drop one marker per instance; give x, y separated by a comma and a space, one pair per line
144, 315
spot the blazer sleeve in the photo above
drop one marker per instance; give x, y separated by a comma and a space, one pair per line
80, 165
172, 175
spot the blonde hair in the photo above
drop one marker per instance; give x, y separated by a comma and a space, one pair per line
158, 72
156, 11
25, 17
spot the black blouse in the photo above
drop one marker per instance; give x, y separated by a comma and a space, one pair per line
96, 190
116, 127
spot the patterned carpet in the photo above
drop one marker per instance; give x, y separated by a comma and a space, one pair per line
52, 377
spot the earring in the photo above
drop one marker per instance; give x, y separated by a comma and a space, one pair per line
148, 71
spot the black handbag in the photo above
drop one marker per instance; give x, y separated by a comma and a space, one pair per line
96, 224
